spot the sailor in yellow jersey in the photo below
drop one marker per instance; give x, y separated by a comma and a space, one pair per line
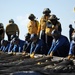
43, 20
52, 24
54, 20
11, 29
32, 25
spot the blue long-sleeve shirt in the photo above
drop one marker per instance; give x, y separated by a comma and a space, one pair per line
72, 45
19, 47
10, 48
35, 47
15, 48
26, 46
1, 48
5, 48
62, 41
21, 44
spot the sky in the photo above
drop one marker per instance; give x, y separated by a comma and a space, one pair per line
19, 10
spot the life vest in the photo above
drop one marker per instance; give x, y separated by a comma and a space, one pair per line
33, 27
56, 27
49, 30
11, 29
43, 21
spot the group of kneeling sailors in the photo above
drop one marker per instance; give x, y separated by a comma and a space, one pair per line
33, 45
42, 38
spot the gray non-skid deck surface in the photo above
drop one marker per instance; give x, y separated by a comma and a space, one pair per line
24, 65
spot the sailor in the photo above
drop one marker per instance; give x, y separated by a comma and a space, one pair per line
12, 29
60, 45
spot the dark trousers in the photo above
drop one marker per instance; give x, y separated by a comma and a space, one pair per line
9, 37
42, 35
49, 41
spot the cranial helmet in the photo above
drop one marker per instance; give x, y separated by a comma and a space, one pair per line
11, 20
27, 36
31, 16
46, 10
53, 17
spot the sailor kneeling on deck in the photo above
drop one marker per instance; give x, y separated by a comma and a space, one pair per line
37, 45
27, 44
4, 46
18, 45
72, 47
60, 45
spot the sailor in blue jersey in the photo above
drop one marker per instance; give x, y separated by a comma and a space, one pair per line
4, 45
18, 45
11, 43
60, 45
72, 47
37, 45
27, 44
